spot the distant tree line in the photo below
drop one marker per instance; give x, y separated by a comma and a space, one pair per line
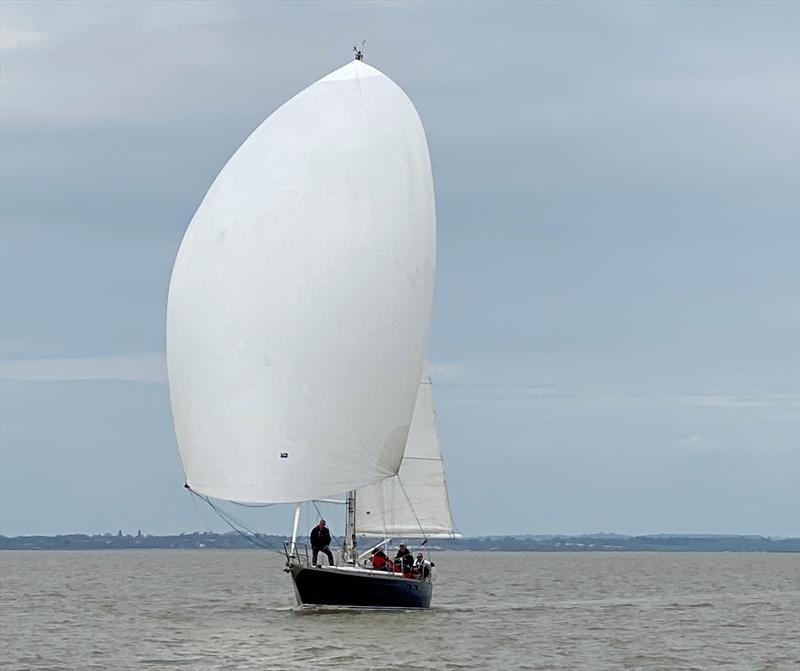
584, 543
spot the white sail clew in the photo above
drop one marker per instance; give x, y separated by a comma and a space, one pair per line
300, 299
383, 509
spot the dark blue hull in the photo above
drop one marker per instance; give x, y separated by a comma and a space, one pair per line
356, 588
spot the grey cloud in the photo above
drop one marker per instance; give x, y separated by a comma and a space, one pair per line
617, 198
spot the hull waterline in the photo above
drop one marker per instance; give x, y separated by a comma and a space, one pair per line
355, 588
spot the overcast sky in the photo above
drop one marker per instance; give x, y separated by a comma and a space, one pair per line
615, 330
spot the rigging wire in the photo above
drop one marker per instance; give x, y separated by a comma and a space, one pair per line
235, 523
252, 505
419, 524
322, 517
199, 512
411, 507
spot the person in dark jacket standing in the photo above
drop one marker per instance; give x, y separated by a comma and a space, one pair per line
320, 542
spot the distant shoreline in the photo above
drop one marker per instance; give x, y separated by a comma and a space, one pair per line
519, 543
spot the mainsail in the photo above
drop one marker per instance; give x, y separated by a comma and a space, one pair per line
413, 503
300, 299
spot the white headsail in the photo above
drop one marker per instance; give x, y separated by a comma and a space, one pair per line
413, 503
300, 299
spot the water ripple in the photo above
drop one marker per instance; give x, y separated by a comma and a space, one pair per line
235, 610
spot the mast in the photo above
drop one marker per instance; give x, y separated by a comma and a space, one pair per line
350, 553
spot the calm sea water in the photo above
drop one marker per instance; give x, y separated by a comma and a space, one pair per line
174, 609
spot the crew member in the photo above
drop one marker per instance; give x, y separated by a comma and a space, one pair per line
379, 560
404, 558
320, 542
422, 567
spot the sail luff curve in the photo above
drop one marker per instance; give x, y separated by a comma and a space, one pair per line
300, 298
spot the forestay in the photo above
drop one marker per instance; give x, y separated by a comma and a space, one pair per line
300, 299
414, 503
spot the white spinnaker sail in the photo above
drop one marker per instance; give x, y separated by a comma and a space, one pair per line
382, 509
300, 299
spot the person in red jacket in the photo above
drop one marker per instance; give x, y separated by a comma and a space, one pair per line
379, 560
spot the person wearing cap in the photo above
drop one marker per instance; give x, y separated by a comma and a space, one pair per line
404, 557
320, 542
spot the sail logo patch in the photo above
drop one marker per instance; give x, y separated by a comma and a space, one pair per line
284, 455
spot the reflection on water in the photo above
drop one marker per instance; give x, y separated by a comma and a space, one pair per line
235, 610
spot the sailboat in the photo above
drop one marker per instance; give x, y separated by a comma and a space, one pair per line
297, 326
412, 504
